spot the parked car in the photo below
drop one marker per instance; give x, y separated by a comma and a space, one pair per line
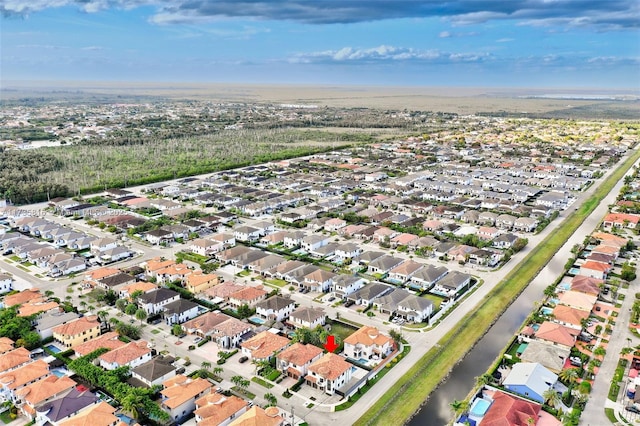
197, 339
632, 409
243, 359
575, 361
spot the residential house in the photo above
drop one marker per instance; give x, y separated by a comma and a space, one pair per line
180, 311
293, 239
550, 356
155, 371
277, 308
100, 414
344, 285
224, 330
384, 264
36, 394
313, 242
525, 224
557, 334
6, 283
329, 373
451, 284
258, 416
12, 381
295, 360
594, 269
367, 294
247, 233
103, 244
426, 277
143, 286
131, 355
401, 303
585, 284
215, 409
578, 300
404, 271
319, 280
530, 380
197, 282
506, 409
308, 317
333, 225
620, 220
180, 394
56, 411
108, 340
264, 345
247, 296
14, 358
205, 247
154, 301
367, 343
571, 317
78, 331
48, 321
159, 236
115, 281
505, 241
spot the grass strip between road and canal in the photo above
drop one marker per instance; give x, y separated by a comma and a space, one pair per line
404, 398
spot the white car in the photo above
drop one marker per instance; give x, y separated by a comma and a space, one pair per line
197, 339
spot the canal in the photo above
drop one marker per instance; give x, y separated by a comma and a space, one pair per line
436, 411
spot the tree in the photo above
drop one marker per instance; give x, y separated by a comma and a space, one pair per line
130, 309
217, 371
271, 399
121, 304
485, 379
569, 375
48, 293
236, 380
141, 315
245, 311
551, 397
128, 330
459, 406
206, 364
176, 330
134, 296
396, 336
133, 402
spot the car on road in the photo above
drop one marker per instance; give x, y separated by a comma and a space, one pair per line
197, 339
243, 359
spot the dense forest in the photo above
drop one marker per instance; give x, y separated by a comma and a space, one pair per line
36, 175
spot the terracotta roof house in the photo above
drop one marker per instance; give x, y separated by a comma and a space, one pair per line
295, 360
329, 373
180, 394
29, 295
224, 290
132, 354
101, 414
368, 343
578, 300
595, 269
571, 317
143, 286
264, 345
557, 334
587, 285
6, 345
508, 410
215, 409
13, 359
43, 391
620, 220
404, 271
14, 380
257, 416
610, 239
108, 341
248, 296
76, 332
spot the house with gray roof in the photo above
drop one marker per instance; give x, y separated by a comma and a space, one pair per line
426, 277
384, 264
277, 307
58, 410
451, 284
549, 355
402, 303
48, 320
366, 295
155, 372
179, 311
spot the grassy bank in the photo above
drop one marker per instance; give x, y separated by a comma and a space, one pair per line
411, 390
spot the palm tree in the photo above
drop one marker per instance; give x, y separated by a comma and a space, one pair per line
141, 315
121, 304
569, 375
217, 371
551, 397
206, 364
236, 380
485, 379
271, 399
133, 403
459, 406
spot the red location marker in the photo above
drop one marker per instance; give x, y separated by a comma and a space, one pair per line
331, 343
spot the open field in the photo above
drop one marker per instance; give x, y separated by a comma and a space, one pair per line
402, 400
466, 100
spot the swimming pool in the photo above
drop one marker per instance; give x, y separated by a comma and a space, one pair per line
564, 286
54, 349
257, 320
574, 271
479, 407
125, 419
545, 310
60, 372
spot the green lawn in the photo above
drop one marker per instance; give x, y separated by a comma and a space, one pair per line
243, 273
437, 300
276, 282
341, 330
405, 397
261, 382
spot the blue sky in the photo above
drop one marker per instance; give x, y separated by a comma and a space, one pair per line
501, 43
